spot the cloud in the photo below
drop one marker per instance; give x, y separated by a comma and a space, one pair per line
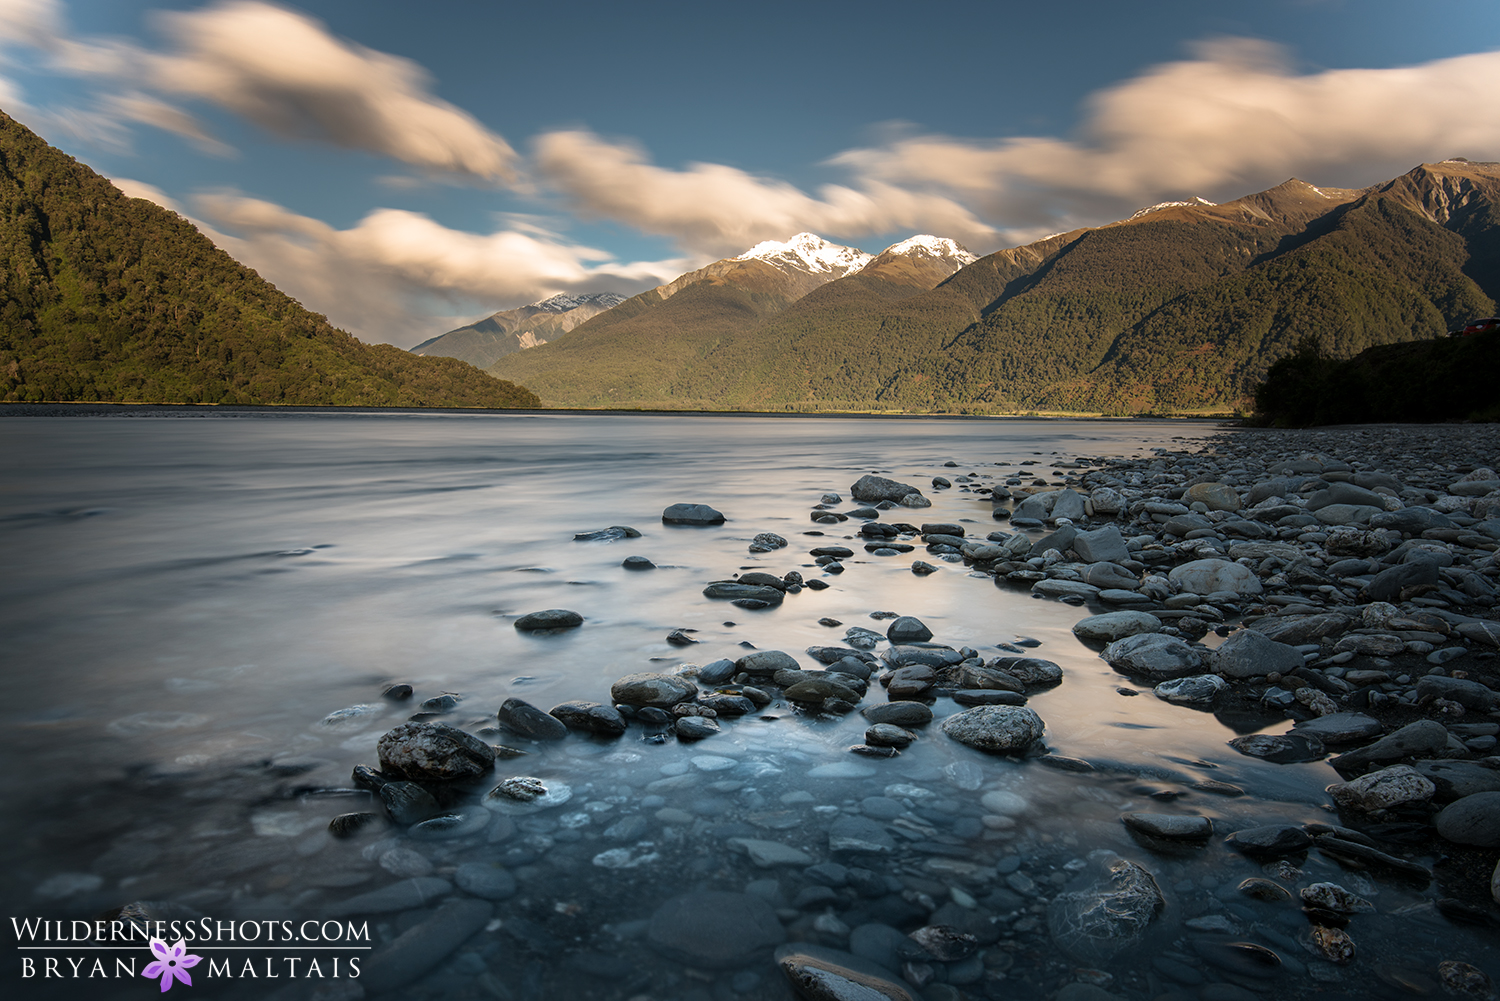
387, 277
149, 110
150, 192
1232, 119
285, 72
718, 209
281, 70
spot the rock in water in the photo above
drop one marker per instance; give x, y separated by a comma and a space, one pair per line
1101, 922
908, 629
433, 752
520, 716
818, 973
590, 717
1384, 789
1116, 625
767, 542
551, 618
872, 489
1153, 655
423, 946
691, 514
1473, 820
648, 689
998, 729
714, 930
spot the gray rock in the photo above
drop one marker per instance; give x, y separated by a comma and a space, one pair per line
423, 946
818, 973
859, 834
1295, 630
872, 489
550, 618
899, 713
1383, 789
1473, 820
731, 590
988, 697
1414, 520
714, 930
1103, 921
766, 662
1345, 493
1116, 625
407, 802
1481, 631
1249, 654
767, 854
590, 717
767, 542
1388, 584
1495, 884
1196, 689
609, 534
1170, 826
1061, 540
648, 689
1067, 504
1346, 514
520, 716
1270, 840
889, 735
1469, 694
1424, 737
691, 514
1282, 749
1109, 576
1209, 576
1153, 655
637, 563
716, 672
433, 752
1341, 728
1457, 779
484, 880
1031, 671
1106, 501
1217, 496
695, 728
998, 729
908, 629
402, 896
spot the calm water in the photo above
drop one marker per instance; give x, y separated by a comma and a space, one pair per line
185, 599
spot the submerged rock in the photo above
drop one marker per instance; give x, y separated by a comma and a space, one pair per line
520, 716
649, 689
691, 514
551, 618
818, 973
715, 930
1153, 655
1103, 921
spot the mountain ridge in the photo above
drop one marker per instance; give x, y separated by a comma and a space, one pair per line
486, 341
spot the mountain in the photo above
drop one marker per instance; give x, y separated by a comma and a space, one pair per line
635, 354
109, 298
485, 341
1182, 307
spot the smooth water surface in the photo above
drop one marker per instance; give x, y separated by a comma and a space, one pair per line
184, 599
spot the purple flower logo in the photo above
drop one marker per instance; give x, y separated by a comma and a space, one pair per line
171, 963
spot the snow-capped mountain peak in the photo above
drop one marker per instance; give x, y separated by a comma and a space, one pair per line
808, 253
563, 302
1195, 202
932, 246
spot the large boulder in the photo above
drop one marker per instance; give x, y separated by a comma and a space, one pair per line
434, 752
1217, 496
1209, 576
691, 514
1473, 820
520, 716
998, 729
1153, 655
1423, 738
1111, 626
648, 689
1383, 789
872, 489
715, 930
1249, 654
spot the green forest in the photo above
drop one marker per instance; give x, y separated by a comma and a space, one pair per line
109, 298
1180, 311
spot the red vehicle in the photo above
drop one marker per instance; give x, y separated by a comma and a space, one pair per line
1480, 326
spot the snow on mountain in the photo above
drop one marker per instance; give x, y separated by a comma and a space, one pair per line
932, 246
810, 254
1194, 201
563, 302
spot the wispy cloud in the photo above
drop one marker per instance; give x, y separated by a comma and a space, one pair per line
388, 276
1233, 119
718, 209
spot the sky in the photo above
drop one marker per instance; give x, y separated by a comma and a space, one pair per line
406, 168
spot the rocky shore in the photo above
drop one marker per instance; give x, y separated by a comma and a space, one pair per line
1345, 581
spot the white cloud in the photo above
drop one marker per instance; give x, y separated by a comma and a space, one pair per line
149, 110
285, 72
1233, 119
150, 192
385, 278
722, 210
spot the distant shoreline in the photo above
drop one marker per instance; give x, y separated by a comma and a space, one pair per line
262, 410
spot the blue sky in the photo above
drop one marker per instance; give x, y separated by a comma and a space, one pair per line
404, 168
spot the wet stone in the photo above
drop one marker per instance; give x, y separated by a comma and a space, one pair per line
407, 802
988, 697
1270, 840
715, 930
695, 728
1170, 826
818, 973
997, 729
590, 717
525, 719
1279, 748
551, 618
433, 752
1104, 920
649, 689
898, 713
